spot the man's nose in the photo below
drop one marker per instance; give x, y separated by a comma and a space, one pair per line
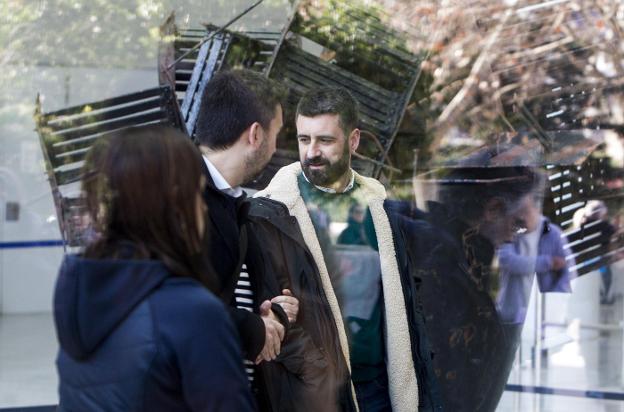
313, 151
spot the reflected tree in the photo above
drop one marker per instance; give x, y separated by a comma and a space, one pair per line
516, 65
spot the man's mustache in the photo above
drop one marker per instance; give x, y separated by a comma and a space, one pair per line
316, 161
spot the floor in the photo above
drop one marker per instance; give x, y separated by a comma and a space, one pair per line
588, 365
27, 351
528, 402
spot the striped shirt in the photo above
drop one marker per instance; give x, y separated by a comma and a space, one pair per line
244, 300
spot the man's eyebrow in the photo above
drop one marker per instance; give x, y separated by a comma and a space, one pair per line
319, 136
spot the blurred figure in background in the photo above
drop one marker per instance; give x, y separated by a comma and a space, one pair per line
542, 249
354, 233
596, 214
138, 328
477, 206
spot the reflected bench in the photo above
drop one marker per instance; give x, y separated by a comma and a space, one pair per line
187, 68
66, 136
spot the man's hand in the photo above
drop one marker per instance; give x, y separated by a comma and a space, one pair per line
274, 333
289, 303
558, 263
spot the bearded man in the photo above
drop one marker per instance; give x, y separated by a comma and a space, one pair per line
361, 344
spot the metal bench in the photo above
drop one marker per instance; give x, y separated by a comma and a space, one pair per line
382, 81
188, 68
67, 135
571, 187
357, 52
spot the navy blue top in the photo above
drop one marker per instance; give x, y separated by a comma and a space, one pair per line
135, 338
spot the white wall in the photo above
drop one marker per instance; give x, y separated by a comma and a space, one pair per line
27, 274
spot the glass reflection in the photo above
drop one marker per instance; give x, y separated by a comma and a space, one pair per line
344, 227
540, 250
462, 69
476, 275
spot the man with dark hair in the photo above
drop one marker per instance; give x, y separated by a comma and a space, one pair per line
232, 102
320, 110
237, 128
363, 331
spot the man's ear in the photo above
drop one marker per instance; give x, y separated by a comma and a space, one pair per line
254, 135
354, 140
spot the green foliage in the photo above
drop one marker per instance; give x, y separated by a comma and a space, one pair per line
357, 38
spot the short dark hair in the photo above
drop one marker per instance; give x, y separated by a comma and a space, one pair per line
331, 100
466, 191
141, 186
231, 102
501, 171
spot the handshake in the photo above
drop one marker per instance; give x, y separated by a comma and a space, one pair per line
274, 330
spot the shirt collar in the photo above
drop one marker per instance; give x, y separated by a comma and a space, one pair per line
330, 190
220, 182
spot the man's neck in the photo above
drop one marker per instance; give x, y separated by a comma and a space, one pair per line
222, 161
343, 183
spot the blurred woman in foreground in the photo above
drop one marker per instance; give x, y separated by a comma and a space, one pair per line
138, 328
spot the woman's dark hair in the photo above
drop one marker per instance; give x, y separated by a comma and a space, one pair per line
141, 187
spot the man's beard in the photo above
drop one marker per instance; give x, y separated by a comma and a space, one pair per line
330, 174
256, 163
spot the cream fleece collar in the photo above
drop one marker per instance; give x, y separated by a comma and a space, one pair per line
283, 187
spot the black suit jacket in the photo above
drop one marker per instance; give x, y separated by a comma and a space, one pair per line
223, 241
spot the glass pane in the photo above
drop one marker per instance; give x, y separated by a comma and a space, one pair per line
496, 129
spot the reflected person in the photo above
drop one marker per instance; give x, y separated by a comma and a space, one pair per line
354, 233
477, 209
596, 214
541, 250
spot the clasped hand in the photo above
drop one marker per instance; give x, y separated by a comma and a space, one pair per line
273, 328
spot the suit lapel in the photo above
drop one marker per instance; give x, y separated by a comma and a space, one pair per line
222, 218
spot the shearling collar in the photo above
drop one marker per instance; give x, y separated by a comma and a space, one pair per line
283, 187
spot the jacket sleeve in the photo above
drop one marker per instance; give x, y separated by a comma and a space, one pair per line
543, 263
251, 330
513, 263
412, 241
204, 348
299, 355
